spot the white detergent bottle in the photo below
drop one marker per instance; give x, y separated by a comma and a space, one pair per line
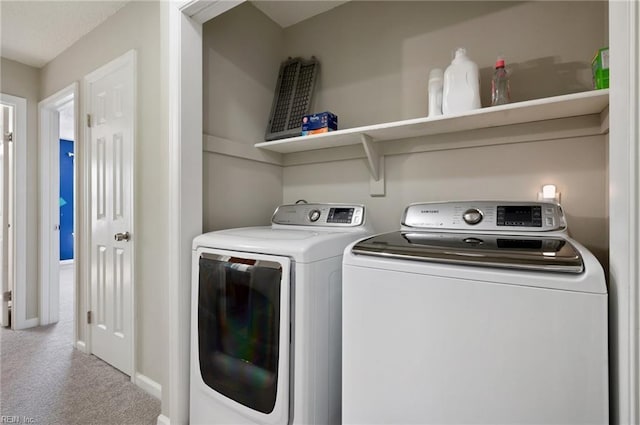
461, 91
436, 81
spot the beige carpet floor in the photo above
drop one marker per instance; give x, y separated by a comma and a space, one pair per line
44, 380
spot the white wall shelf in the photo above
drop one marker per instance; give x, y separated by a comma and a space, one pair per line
514, 115
571, 105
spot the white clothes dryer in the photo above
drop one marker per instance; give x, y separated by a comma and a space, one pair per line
474, 313
266, 318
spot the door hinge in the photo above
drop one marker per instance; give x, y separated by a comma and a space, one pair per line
89, 317
8, 137
89, 120
6, 296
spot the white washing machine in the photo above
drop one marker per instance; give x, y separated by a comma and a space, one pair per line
474, 313
266, 318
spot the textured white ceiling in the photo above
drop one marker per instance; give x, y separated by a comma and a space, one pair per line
35, 32
287, 13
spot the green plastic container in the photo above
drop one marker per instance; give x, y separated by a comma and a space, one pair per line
600, 69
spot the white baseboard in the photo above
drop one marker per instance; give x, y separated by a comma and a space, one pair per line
32, 323
163, 420
29, 323
149, 385
81, 346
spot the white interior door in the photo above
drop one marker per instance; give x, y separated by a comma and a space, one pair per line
15, 210
111, 98
5, 212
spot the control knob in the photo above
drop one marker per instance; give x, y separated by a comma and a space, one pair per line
314, 215
472, 216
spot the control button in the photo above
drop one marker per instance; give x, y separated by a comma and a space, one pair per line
472, 216
314, 215
549, 221
548, 210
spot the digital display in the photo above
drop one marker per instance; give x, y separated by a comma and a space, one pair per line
525, 244
340, 215
519, 215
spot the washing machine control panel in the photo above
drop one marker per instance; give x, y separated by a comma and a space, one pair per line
321, 215
485, 216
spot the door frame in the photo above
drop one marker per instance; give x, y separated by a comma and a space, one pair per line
129, 58
19, 146
49, 225
624, 211
185, 193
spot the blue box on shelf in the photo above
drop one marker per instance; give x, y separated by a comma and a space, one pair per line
322, 122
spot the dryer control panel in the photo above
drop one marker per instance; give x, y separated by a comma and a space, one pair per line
494, 216
321, 215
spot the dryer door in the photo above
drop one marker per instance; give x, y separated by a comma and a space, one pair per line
243, 332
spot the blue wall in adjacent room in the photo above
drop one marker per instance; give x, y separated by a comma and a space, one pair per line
66, 199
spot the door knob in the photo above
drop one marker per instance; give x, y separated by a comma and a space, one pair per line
121, 237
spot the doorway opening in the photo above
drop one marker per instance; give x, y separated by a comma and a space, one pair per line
66, 210
58, 208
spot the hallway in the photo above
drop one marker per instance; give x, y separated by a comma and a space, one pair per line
43, 380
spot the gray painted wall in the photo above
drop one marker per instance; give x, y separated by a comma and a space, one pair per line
24, 81
375, 56
239, 192
242, 51
578, 166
